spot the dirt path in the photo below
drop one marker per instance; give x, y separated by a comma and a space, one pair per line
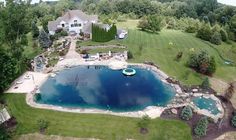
37, 136
72, 54
218, 85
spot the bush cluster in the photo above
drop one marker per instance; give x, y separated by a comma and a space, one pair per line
42, 124
233, 121
201, 127
186, 113
215, 35
202, 62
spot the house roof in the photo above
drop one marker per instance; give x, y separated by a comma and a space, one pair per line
52, 25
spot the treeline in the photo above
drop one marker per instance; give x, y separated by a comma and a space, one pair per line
14, 25
175, 12
103, 35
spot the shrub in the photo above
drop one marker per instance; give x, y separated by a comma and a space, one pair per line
201, 127
144, 123
150, 23
204, 32
102, 35
130, 55
62, 53
205, 84
186, 113
224, 35
216, 38
233, 121
63, 33
179, 56
84, 52
202, 62
4, 134
42, 124
190, 29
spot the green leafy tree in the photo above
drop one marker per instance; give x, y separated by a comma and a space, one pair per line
202, 63
35, 30
205, 84
144, 123
4, 134
201, 127
8, 70
224, 35
44, 39
102, 35
186, 113
204, 32
150, 23
216, 38
42, 125
14, 22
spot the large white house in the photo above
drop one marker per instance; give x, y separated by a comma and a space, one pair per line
73, 21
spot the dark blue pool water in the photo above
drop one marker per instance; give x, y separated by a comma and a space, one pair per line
103, 88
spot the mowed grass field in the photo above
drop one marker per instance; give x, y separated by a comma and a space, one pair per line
104, 127
157, 48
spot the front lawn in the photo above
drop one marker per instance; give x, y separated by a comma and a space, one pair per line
91, 125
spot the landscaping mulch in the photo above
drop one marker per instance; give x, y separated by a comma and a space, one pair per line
214, 129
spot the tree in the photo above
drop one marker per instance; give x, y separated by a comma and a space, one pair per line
4, 134
201, 127
14, 22
216, 38
224, 35
186, 113
35, 30
150, 23
8, 70
233, 25
42, 125
144, 123
44, 21
44, 39
102, 35
204, 32
205, 84
202, 62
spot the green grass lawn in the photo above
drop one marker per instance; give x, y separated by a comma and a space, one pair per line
91, 125
156, 47
31, 50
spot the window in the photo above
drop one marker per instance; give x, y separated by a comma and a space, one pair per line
63, 25
72, 25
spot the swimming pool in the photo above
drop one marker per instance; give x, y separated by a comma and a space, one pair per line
103, 88
206, 103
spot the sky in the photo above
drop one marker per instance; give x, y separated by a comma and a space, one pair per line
228, 2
